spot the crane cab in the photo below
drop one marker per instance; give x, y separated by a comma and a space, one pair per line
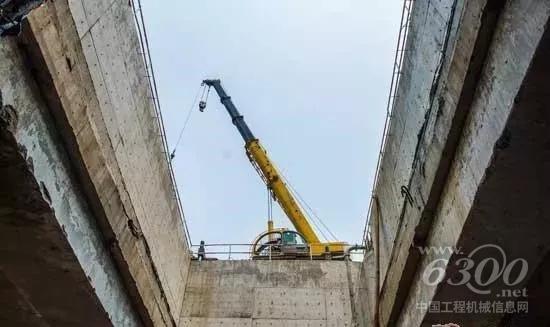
280, 243
285, 244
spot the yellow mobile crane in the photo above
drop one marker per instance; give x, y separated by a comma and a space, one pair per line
277, 242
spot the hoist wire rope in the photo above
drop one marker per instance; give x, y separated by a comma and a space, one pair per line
305, 206
310, 210
301, 205
269, 205
187, 118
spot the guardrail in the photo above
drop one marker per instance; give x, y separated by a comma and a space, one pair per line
396, 75
243, 251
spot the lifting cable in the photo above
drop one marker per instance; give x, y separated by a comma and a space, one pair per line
269, 205
187, 118
310, 210
305, 207
300, 204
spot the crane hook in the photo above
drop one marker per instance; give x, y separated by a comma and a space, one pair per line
202, 106
202, 103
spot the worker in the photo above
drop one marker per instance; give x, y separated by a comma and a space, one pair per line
202, 253
13, 13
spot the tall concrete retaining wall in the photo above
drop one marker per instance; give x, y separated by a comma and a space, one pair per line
270, 293
55, 268
76, 80
466, 126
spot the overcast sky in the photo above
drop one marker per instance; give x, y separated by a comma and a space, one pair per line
311, 78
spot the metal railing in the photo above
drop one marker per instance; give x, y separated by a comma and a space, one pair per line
243, 251
150, 74
396, 76
236, 251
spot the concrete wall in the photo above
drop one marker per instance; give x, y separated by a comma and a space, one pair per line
450, 128
493, 191
90, 228
430, 30
276, 293
51, 243
77, 80
365, 291
109, 41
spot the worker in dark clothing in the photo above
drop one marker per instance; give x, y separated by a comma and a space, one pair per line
13, 13
202, 252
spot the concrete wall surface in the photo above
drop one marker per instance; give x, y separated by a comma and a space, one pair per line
76, 79
430, 29
270, 293
55, 268
90, 229
464, 146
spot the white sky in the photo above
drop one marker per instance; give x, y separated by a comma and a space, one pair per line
311, 78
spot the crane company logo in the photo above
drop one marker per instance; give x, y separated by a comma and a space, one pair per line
477, 270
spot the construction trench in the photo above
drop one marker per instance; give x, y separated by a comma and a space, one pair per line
464, 167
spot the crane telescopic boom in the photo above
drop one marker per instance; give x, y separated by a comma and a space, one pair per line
267, 170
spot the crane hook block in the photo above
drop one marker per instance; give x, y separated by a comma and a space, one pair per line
202, 106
